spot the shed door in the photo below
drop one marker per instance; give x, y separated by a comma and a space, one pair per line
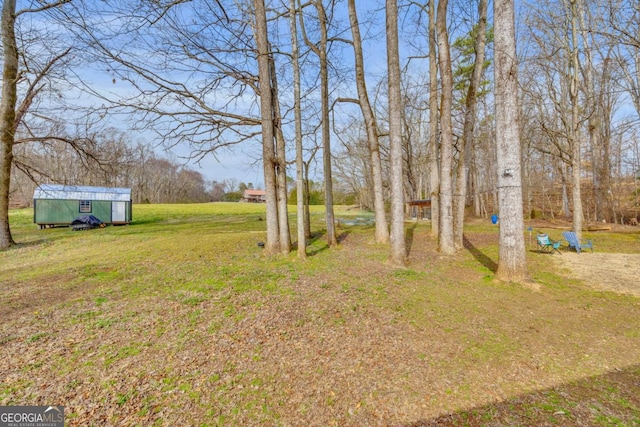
118, 211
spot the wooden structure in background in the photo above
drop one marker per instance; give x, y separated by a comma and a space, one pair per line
419, 209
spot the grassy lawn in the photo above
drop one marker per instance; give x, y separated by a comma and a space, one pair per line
180, 319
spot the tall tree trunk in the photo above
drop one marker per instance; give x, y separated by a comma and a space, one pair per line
574, 139
462, 176
7, 115
281, 166
321, 51
266, 111
446, 244
599, 100
594, 110
528, 182
307, 200
382, 231
512, 263
566, 206
601, 201
460, 192
477, 211
605, 167
434, 147
398, 246
300, 224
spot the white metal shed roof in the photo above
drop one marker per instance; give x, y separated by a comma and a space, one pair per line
80, 192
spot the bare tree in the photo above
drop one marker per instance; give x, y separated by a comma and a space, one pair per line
7, 115
512, 263
465, 144
268, 133
300, 200
598, 71
382, 232
398, 245
11, 113
195, 74
446, 243
573, 134
434, 146
558, 88
321, 51
189, 69
280, 164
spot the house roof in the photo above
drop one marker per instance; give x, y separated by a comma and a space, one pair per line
81, 192
255, 192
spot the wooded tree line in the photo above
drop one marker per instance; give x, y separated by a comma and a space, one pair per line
434, 117
108, 159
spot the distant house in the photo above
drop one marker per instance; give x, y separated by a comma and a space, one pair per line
60, 204
254, 196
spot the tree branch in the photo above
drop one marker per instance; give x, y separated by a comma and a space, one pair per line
43, 7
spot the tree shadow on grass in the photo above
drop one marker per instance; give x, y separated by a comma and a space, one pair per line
409, 233
608, 399
21, 245
313, 250
478, 255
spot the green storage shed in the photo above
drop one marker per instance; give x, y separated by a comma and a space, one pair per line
55, 204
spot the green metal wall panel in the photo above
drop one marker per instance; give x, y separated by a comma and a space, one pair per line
101, 210
55, 211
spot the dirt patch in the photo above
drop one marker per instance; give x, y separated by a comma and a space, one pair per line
610, 272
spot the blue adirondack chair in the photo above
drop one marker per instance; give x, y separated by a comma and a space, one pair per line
574, 243
546, 245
